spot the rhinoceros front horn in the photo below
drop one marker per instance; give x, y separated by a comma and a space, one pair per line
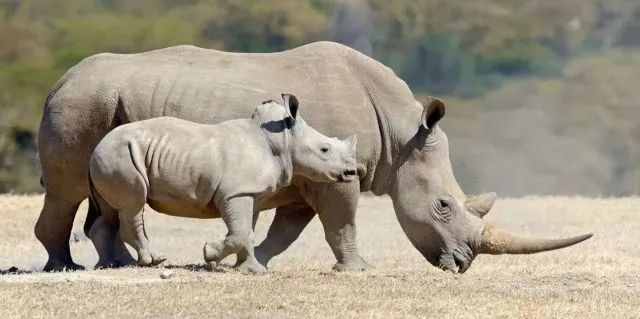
495, 242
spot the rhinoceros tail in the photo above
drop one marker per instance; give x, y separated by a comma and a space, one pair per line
94, 208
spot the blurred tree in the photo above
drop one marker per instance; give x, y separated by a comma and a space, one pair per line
461, 48
263, 26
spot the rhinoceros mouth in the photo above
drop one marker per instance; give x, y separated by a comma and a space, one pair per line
347, 176
461, 263
448, 263
455, 261
454, 264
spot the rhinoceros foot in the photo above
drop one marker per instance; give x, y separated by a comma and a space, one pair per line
108, 264
123, 258
56, 265
356, 264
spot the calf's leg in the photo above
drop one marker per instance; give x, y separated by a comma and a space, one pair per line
132, 231
238, 216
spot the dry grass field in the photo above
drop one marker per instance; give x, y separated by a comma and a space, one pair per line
596, 279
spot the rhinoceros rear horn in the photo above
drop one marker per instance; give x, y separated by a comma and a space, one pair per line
496, 242
290, 103
480, 205
433, 112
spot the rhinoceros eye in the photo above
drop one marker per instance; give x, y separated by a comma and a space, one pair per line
324, 149
442, 210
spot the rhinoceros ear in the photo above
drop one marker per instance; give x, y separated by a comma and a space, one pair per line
290, 103
433, 112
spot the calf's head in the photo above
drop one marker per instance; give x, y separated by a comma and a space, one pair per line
440, 221
312, 154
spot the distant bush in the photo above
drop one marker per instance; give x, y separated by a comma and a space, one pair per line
456, 48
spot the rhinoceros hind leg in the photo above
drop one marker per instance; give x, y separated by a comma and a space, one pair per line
103, 236
112, 253
121, 255
103, 232
53, 230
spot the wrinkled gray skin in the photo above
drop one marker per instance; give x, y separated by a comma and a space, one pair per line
401, 150
186, 169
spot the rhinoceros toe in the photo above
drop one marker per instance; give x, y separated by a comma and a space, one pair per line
251, 267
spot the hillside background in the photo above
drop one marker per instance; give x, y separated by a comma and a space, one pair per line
542, 95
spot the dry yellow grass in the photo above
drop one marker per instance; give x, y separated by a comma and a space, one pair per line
596, 279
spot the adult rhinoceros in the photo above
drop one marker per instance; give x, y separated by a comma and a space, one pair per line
402, 152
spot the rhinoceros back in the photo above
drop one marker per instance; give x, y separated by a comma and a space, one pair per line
206, 86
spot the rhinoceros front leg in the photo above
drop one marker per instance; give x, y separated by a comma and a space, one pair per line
336, 205
238, 215
286, 227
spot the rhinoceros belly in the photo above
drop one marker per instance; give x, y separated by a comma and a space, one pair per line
182, 208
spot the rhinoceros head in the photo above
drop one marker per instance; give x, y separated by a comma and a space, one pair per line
316, 156
312, 154
440, 221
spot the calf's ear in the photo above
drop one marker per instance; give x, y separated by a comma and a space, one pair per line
290, 103
433, 112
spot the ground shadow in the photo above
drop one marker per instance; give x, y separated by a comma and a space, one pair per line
189, 267
14, 271
203, 267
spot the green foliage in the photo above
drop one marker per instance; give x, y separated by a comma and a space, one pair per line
462, 48
265, 26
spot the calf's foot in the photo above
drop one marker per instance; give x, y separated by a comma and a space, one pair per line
251, 266
213, 252
147, 259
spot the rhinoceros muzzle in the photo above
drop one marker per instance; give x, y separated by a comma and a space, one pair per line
348, 176
456, 261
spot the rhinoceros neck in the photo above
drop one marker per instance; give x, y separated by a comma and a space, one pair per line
397, 113
279, 143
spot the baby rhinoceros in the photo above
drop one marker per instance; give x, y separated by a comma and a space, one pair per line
186, 169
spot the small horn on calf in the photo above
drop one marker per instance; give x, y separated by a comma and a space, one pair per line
352, 141
496, 241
